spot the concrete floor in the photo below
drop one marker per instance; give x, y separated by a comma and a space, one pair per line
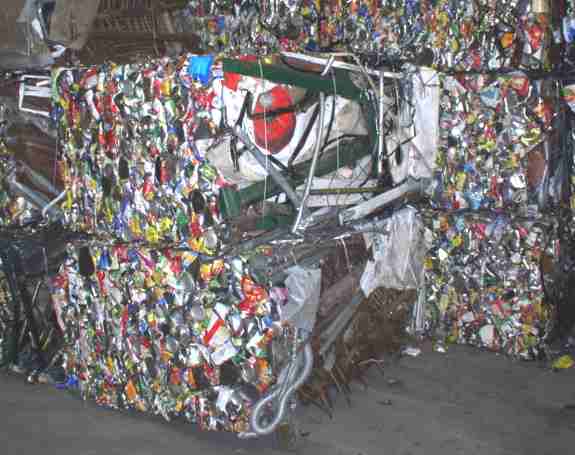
463, 402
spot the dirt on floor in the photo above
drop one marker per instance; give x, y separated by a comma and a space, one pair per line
462, 402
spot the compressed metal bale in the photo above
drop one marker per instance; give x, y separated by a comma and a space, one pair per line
128, 156
484, 281
500, 145
511, 33
167, 332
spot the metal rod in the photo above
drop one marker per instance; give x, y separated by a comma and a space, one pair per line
53, 202
339, 64
369, 206
350, 190
261, 159
318, 141
39, 180
330, 334
380, 127
330, 62
32, 197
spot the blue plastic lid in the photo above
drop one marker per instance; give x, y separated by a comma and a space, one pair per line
200, 68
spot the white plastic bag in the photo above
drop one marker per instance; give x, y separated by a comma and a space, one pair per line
418, 131
399, 249
304, 286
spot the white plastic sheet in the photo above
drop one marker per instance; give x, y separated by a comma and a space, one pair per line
417, 133
399, 248
304, 286
348, 119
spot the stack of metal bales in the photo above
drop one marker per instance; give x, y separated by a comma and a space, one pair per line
155, 317
164, 308
499, 187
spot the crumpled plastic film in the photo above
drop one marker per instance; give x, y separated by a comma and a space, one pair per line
168, 332
450, 34
347, 120
398, 249
303, 286
412, 147
484, 280
128, 157
498, 137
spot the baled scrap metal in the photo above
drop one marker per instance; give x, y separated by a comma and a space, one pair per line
500, 145
169, 332
128, 157
484, 280
456, 35
134, 173
176, 332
